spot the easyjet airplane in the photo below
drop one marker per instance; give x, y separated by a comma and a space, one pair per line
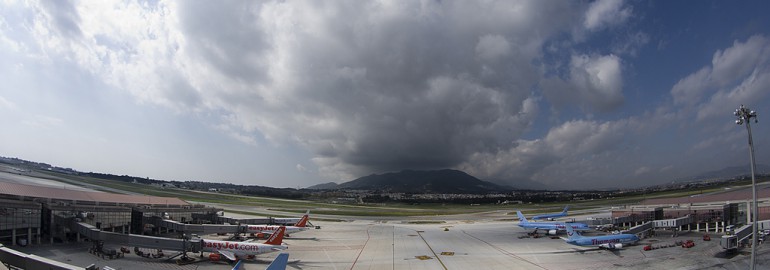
232, 249
270, 229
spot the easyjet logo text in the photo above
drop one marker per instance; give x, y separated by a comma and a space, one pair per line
231, 246
262, 228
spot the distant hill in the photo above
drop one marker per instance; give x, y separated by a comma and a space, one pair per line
330, 185
731, 172
411, 181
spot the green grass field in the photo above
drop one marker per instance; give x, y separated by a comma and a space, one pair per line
293, 207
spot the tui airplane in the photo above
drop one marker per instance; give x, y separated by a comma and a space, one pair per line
613, 241
551, 227
552, 215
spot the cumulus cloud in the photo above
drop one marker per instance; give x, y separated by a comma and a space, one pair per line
6, 104
606, 13
737, 75
379, 86
365, 86
594, 83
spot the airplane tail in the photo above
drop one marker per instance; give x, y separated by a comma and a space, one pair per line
565, 210
238, 265
303, 221
521, 216
571, 233
277, 237
279, 263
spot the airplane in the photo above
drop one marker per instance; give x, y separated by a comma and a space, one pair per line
238, 265
551, 227
279, 263
270, 229
288, 221
231, 249
552, 215
612, 241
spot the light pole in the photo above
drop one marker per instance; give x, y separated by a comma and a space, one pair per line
745, 115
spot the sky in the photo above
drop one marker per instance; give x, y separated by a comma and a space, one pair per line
565, 94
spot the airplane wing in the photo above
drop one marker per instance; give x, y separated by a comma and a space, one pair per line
229, 255
279, 263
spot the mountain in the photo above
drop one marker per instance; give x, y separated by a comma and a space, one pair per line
410, 181
731, 172
330, 185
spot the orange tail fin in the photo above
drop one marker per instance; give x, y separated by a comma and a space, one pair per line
277, 237
303, 221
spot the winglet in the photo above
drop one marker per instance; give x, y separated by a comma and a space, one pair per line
277, 237
279, 263
521, 216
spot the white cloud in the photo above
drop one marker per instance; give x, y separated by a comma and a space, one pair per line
595, 83
376, 86
491, 47
301, 168
43, 122
690, 89
6, 104
738, 75
605, 13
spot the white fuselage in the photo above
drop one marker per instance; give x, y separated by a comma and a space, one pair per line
269, 229
239, 248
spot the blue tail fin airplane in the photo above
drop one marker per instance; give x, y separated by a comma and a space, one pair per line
551, 227
613, 241
552, 215
238, 265
279, 263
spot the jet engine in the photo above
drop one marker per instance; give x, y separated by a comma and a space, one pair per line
612, 246
552, 232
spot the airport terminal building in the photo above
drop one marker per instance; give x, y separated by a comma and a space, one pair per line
707, 213
37, 214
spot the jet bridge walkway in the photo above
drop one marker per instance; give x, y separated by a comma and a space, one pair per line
194, 228
14, 259
641, 228
742, 235
133, 240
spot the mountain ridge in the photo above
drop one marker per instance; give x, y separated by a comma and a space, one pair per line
409, 181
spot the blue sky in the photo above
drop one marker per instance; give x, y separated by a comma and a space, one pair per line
568, 94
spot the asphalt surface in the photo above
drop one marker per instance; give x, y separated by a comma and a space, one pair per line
453, 244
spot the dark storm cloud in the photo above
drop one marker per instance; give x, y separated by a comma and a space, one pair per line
372, 86
226, 36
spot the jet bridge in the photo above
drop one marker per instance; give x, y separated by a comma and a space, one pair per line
742, 235
133, 240
14, 259
673, 223
194, 228
640, 228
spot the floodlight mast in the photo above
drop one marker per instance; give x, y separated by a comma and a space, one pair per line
745, 115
